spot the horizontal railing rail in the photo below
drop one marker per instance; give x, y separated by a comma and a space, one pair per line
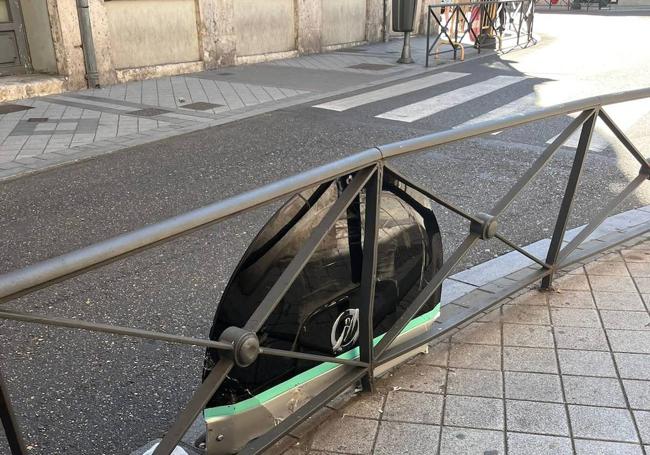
480, 24
366, 171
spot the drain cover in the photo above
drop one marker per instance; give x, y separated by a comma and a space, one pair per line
201, 106
37, 119
148, 112
9, 108
371, 66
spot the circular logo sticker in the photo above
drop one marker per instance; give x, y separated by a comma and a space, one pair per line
345, 330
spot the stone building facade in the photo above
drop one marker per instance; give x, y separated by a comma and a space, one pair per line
42, 43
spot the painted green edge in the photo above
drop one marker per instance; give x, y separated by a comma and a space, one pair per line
273, 392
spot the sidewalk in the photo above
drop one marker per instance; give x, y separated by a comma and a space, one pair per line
41, 132
545, 373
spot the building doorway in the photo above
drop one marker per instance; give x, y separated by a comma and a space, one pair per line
14, 52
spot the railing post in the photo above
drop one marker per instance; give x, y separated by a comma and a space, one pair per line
16, 444
369, 275
453, 45
426, 57
569, 194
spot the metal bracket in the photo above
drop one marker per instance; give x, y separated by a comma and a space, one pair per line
246, 346
645, 170
485, 226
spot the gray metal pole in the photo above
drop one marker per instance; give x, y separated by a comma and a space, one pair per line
386, 29
87, 44
15, 440
569, 196
406, 50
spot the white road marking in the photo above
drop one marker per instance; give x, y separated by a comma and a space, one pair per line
518, 106
350, 102
438, 103
598, 142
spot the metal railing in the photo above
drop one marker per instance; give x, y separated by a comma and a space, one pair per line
479, 24
550, 4
575, 4
366, 169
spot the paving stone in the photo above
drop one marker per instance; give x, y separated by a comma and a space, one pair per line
531, 298
602, 423
525, 314
634, 341
479, 333
588, 338
527, 444
571, 283
586, 447
484, 383
576, 317
613, 284
609, 268
527, 335
638, 393
413, 407
468, 441
636, 255
474, 412
437, 356
536, 417
314, 422
633, 320
619, 301
492, 316
633, 366
639, 269
533, 386
643, 422
576, 269
571, 299
398, 437
475, 356
635, 244
345, 434
536, 360
643, 284
593, 391
367, 405
417, 377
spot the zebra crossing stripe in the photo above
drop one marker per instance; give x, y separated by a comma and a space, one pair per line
438, 103
350, 102
518, 106
597, 144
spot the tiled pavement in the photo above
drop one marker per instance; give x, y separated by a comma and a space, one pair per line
564, 372
46, 131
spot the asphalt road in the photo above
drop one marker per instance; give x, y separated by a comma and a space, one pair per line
83, 393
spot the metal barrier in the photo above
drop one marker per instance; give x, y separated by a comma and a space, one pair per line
550, 4
575, 4
589, 4
240, 345
482, 24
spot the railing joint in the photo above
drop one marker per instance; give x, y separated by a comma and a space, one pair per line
645, 170
246, 346
485, 226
